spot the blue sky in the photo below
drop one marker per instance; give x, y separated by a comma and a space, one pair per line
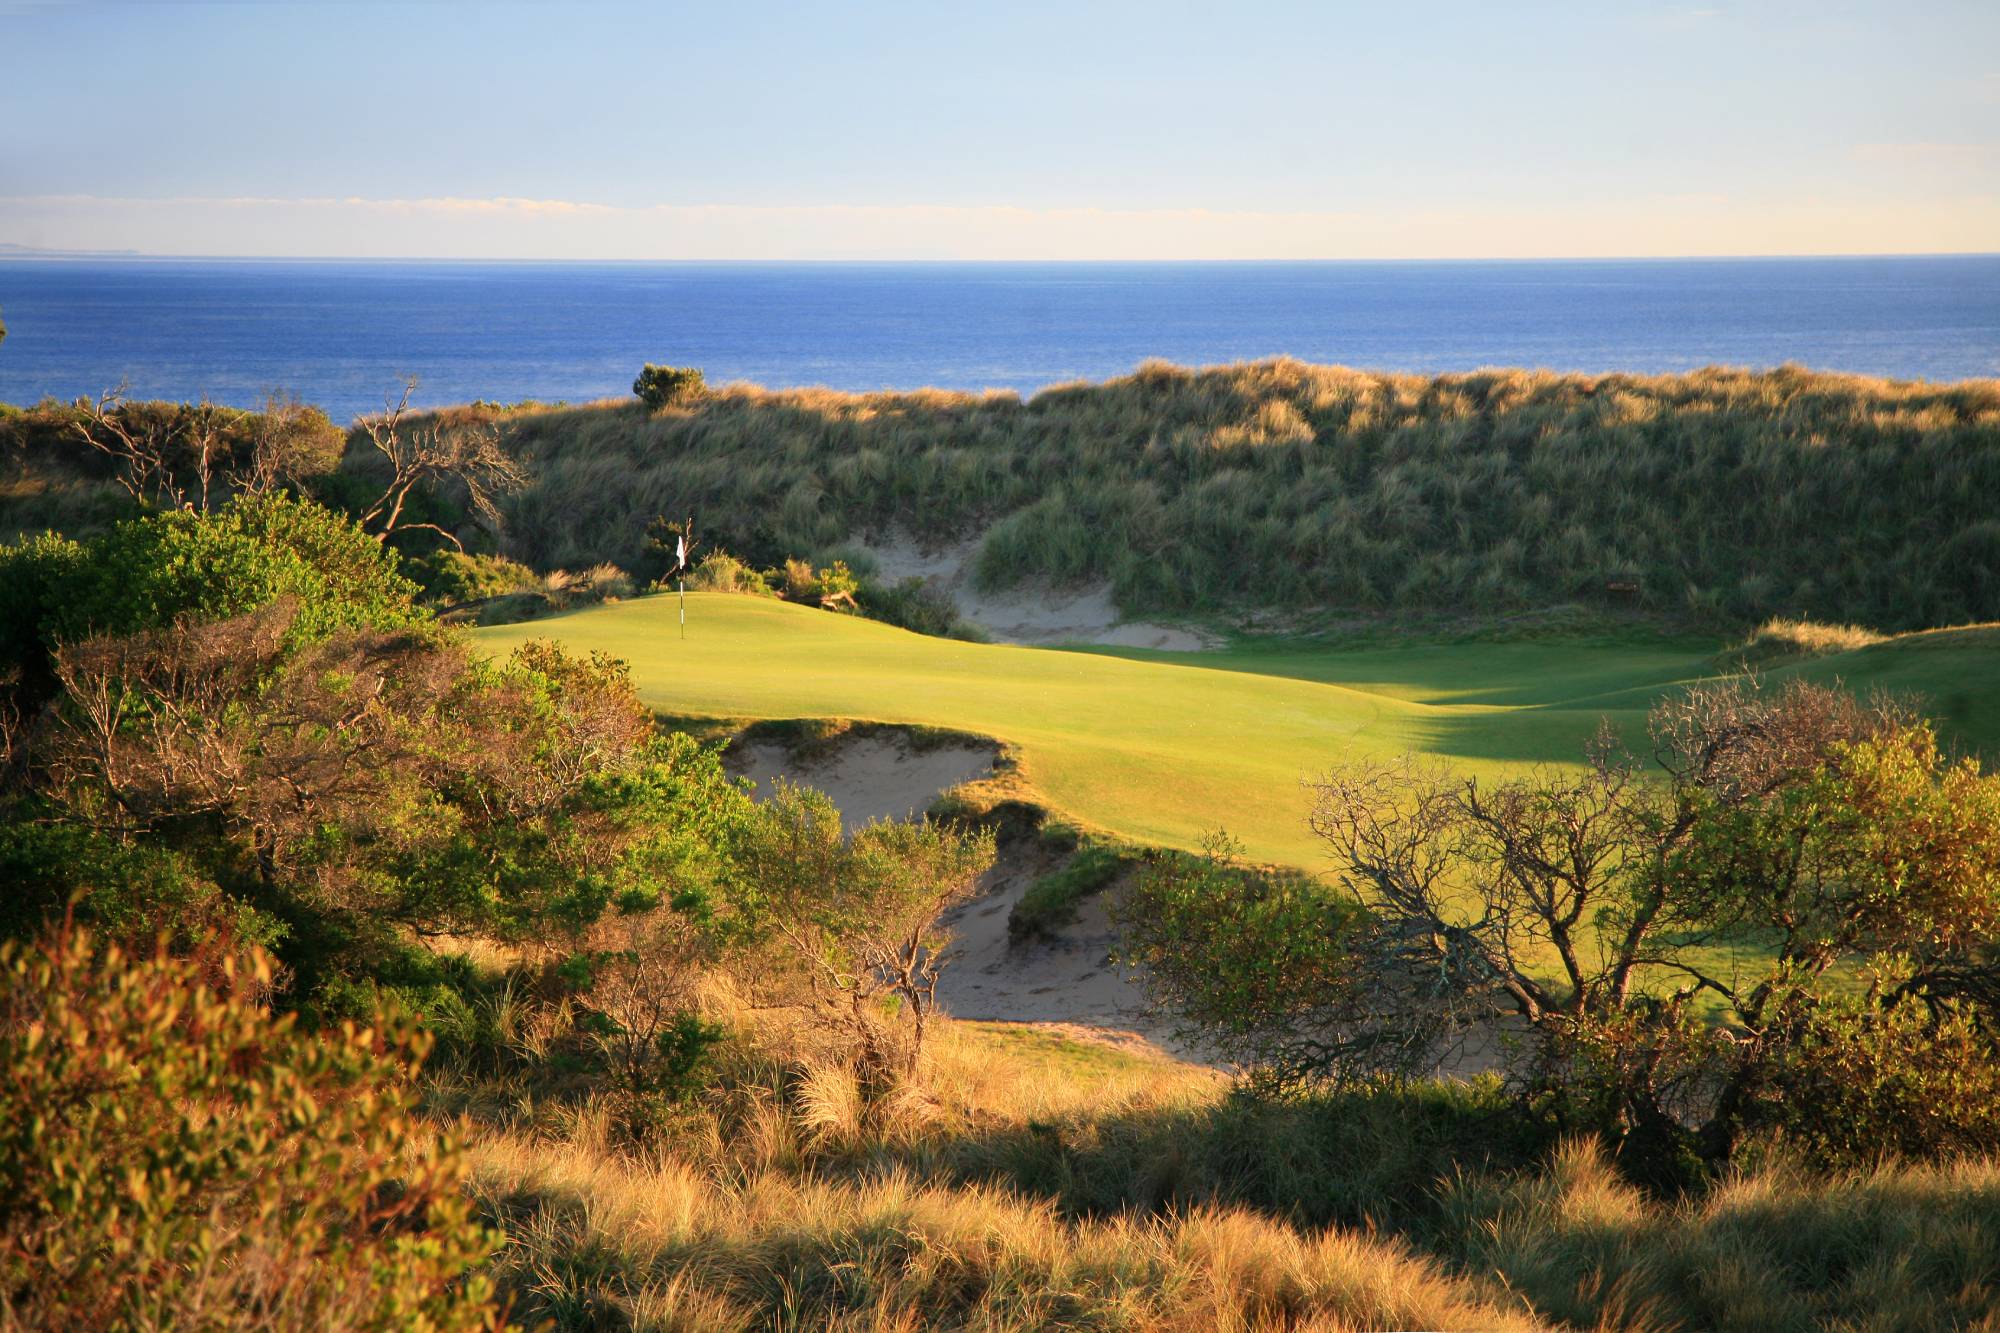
599, 130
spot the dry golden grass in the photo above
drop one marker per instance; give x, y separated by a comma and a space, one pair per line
670, 1247
1781, 640
1038, 1183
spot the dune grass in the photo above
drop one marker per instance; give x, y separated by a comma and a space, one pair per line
1717, 496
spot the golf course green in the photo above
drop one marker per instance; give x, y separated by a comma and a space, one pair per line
1163, 748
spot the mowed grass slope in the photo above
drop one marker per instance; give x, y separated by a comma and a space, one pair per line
1159, 751
1164, 748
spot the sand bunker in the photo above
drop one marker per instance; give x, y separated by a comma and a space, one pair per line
868, 777
1029, 615
1069, 982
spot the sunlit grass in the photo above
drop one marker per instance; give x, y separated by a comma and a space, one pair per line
1161, 749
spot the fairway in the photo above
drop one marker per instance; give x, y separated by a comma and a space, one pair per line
1159, 751
1163, 748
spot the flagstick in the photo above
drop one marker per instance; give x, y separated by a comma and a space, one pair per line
684, 608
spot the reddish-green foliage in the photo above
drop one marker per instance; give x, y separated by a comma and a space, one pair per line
173, 1155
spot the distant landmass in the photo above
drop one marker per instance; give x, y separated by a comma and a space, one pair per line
14, 249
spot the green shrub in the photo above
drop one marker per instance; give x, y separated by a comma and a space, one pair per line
1569, 911
172, 1155
829, 584
453, 577
130, 889
851, 924
669, 386
173, 568
149, 572
918, 605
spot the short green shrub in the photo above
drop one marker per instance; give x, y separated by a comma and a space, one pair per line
454, 578
720, 571
917, 605
828, 585
669, 386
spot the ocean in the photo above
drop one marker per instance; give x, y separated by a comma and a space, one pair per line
343, 334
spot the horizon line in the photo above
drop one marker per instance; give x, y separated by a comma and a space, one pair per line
10, 250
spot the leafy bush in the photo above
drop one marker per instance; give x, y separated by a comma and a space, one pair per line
720, 571
829, 585
129, 889
918, 605
148, 572
851, 924
669, 386
453, 577
1571, 913
355, 783
172, 1155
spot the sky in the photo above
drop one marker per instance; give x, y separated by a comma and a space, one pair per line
745, 130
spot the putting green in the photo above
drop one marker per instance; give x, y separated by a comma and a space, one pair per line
1158, 748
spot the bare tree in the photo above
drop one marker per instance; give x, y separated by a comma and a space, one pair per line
648, 973
144, 449
467, 454
190, 456
289, 443
1580, 925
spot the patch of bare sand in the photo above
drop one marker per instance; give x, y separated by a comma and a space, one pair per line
868, 777
1070, 983
1029, 614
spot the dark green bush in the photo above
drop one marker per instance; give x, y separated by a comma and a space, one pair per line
454, 577
669, 386
917, 605
149, 572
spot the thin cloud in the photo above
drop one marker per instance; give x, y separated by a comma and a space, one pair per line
1927, 154
518, 227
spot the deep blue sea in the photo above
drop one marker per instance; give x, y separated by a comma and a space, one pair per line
342, 334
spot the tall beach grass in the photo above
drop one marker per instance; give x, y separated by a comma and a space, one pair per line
1718, 495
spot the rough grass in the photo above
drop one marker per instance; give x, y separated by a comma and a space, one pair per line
1051, 902
1778, 640
1719, 494
1040, 1183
